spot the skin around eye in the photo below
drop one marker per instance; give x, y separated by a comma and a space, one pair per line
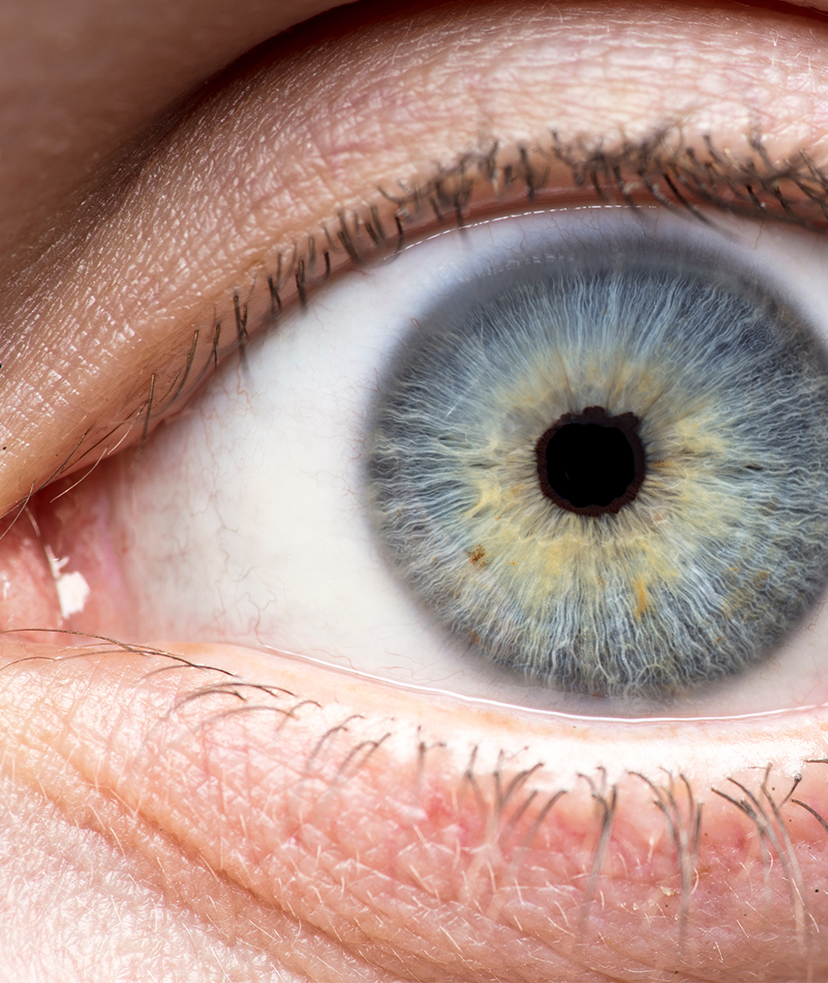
234, 814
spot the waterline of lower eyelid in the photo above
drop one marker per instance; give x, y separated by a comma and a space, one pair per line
550, 715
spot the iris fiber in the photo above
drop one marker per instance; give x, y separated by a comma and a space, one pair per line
711, 553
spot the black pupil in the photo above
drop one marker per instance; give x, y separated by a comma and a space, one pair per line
588, 464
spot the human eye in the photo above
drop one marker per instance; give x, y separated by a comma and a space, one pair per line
399, 418
339, 827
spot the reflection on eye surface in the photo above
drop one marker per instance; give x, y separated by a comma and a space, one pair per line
343, 827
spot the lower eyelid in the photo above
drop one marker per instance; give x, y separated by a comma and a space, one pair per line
488, 825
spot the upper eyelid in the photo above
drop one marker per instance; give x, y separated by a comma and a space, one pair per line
659, 170
658, 138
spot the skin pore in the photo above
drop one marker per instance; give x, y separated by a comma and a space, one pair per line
200, 811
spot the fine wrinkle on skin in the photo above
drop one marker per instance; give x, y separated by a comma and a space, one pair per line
181, 770
65, 886
59, 152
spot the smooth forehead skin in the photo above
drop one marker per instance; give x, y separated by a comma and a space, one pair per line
206, 812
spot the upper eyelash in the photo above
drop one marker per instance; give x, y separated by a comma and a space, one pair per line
674, 176
658, 169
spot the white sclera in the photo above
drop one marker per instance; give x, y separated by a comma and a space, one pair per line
248, 516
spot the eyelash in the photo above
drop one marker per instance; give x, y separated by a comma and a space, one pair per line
659, 169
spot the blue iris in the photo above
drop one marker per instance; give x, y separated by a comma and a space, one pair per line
609, 477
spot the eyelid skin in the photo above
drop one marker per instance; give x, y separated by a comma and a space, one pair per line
491, 839
261, 166
64, 134
346, 830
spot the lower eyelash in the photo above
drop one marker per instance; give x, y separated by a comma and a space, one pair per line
721, 551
